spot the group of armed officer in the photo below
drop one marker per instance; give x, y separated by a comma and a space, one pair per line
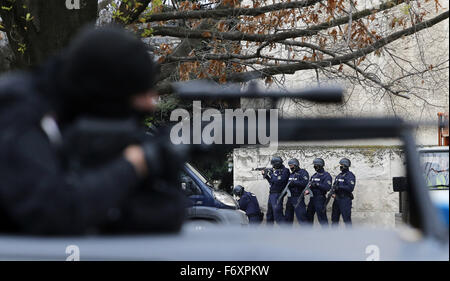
298, 184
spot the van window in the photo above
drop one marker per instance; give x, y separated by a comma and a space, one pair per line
435, 168
189, 186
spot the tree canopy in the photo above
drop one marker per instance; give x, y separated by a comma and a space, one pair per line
237, 41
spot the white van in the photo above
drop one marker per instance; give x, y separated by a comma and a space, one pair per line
435, 165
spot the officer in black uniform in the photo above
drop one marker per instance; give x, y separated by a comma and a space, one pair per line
320, 185
298, 180
277, 177
105, 73
344, 184
249, 204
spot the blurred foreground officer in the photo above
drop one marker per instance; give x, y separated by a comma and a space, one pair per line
320, 185
298, 179
106, 73
278, 178
344, 184
249, 204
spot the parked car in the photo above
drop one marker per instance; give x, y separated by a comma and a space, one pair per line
434, 163
207, 203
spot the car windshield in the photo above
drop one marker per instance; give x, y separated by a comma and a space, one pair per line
435, 168
200, 175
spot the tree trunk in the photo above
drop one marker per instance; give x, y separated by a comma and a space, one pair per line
37, 29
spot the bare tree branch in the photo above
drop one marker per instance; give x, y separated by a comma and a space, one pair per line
234, 35
239, 36
357, 69
292, 68
233, 12
356, 54
221, 13
171, 59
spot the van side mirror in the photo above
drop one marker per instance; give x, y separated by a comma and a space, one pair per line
399, 184
188, 186
186, 183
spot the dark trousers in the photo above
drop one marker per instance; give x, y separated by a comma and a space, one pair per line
255, 219
316, 206
274, 210
342, 206
300, 211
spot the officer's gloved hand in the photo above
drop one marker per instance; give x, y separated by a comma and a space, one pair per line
135, 155
163, 158
153, 158
173, 158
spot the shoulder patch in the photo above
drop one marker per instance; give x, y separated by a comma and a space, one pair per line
329, 182
352, 182
305, 177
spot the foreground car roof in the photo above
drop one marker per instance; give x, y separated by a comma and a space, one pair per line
216, 243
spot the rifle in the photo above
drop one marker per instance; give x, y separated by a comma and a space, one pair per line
302, 195
284, 192
330, 194
266, 170
201, 89
260, 169
93, 141
90, 142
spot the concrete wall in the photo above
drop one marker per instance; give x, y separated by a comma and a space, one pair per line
375, 202
428, 92
374, 162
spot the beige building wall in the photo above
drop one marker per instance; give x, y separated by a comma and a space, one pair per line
375, 202
374, 162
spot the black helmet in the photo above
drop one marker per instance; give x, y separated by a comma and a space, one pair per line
319, 162
101, 70
238, 190
276, 161
294, 162
345, 162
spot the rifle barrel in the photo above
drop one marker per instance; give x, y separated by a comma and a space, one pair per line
202, 89
259, 169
